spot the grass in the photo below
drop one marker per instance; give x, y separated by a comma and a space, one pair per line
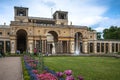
91, 68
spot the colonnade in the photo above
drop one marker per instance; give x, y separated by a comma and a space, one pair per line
103, 47
65, 46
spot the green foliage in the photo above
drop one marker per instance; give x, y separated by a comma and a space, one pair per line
25, 72
90, 29
99, 35
91, 68
118, 53
112, 33
27, 78
24, 52
7, 53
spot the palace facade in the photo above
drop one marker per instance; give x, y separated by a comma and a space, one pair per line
51, 35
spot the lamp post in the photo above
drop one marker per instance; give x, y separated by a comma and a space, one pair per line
40, 61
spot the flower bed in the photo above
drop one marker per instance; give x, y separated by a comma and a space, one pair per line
47, 74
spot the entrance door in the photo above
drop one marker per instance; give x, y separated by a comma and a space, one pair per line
21, 40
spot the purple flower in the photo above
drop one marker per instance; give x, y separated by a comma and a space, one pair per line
80, 78
70, 78
59, 74
68, 72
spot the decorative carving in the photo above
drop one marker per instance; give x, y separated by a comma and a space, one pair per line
59, 31
45, 31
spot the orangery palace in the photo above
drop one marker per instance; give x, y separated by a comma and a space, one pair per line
51, 35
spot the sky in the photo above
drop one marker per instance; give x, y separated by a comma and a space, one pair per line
97, 14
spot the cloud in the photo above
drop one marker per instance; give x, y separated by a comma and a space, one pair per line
106, 23
80, 12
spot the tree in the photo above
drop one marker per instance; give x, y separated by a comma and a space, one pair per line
99, 35
90, 29
112, 33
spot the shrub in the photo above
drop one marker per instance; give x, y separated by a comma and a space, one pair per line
118, 53
26, 77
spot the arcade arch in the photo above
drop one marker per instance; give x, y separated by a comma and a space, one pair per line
78, 42
52, 39
21, 40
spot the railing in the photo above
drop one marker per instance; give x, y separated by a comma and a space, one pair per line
17, 23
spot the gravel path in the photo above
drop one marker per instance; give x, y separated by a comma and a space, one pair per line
10, 68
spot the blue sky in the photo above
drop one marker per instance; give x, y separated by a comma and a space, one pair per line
93, 13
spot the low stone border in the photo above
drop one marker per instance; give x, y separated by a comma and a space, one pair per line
96, 55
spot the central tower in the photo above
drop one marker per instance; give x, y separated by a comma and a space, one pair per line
21, 14
61, 17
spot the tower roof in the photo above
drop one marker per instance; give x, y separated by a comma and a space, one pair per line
60, 12
16, 7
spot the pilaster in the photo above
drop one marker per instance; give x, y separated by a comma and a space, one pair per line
4, 46
118, 47
104, 47
72, 47
95, 47
110, 47
85, 46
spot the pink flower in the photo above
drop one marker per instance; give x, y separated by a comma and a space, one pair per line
35, 71
46, 76
80, 78
70, 78
59, 74
68, 72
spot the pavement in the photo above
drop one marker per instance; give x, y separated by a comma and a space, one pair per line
10, 68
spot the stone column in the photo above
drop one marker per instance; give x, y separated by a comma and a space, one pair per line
30, 44
72, 47
110, 47
45, 46
13, 48
35, 43
48, 48
88, 47
118, 47
57, 47
85, 46
95, 47
100, 47
67, 46
104, 47
61, 46
4, 46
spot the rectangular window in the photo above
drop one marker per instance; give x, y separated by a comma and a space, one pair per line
0, 33
7, 46
91, 47
98, 47
112, 47
102, 47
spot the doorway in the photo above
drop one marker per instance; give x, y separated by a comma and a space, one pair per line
21, 40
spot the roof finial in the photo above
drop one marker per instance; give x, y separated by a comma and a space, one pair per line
71, 23
4, 23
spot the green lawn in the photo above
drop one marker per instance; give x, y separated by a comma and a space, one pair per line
91, 68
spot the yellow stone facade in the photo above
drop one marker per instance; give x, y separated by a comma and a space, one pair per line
51, 35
